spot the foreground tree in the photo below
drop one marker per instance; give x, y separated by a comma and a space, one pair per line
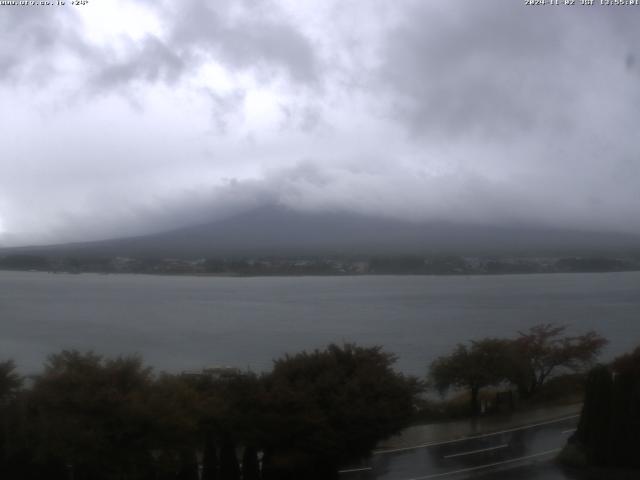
595, 421
330, 407
209, 459
91, 415
11, 417
10, 381
481, 364
608, 434
232, 409
250, 465
176, 409
229, 467
542, 351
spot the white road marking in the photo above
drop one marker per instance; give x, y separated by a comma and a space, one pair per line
473, 437
488, 465
471, 452
565, 432
353, 470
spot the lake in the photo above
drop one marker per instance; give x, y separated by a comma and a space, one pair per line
183, 323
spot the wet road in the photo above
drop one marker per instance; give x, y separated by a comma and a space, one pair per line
527, 450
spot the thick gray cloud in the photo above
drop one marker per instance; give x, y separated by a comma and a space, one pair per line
127, 117
255, 37
494, 69
31, 39
241, 35
551, 91
149, 60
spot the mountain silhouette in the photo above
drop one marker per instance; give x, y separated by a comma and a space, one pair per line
279, 231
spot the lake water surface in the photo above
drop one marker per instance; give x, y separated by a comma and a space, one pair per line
180, 323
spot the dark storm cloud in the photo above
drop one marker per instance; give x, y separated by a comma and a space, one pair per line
497, 68
543, 100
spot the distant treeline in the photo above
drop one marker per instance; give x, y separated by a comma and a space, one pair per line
389, 265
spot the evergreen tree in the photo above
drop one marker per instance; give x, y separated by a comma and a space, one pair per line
595, 421
210, 459
188, 465
609, 427
250, 467
229, 468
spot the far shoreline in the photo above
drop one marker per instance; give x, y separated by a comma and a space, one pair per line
312, 275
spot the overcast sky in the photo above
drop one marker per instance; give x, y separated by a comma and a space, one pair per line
121, 117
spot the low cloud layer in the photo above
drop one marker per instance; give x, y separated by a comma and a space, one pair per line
134, 117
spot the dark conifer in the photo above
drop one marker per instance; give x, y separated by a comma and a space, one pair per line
188, 469
250, 467
594, 428
210, 460
229, 468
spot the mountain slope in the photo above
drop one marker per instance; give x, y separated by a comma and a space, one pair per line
279, 231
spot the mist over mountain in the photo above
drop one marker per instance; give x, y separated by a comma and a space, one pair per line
157, 115
279, 231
